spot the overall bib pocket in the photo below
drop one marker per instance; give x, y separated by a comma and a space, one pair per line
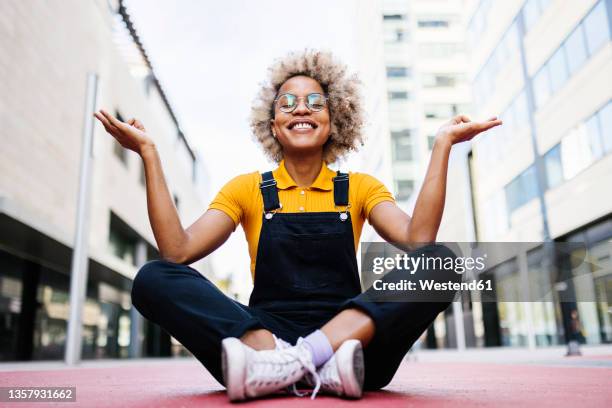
314, 250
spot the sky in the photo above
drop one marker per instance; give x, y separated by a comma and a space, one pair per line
211, 56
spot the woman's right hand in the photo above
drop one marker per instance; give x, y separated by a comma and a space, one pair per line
131, 135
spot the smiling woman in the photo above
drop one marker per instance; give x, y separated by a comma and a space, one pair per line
342, 97
307, 319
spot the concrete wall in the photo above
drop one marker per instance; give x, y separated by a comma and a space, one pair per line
48, 48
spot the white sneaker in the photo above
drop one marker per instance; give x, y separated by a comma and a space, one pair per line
280, 343
249, 373
343, 373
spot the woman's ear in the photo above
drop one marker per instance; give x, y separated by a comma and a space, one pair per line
272, 128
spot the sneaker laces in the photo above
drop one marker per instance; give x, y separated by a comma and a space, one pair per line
306, 363
309, 366
281, 345
269, 365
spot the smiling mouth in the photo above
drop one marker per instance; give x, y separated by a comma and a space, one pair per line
302, 126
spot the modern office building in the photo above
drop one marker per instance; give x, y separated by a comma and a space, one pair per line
48, 51
374, 157
426, 68
545, 175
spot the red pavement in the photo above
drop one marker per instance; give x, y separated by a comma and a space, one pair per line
180, 384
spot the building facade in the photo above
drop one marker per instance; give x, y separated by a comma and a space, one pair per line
544, 66
48, 51
426, 65
374, 157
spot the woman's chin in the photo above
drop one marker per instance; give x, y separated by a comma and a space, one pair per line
303, 147
305, 142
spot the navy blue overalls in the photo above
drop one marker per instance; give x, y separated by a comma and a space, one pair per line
305, 273
306, 265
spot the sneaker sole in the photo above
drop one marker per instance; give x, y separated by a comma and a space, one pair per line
233, 365
349, 359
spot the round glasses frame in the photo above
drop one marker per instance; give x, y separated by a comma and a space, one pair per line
298, 98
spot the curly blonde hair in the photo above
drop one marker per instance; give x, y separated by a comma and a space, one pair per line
344, 103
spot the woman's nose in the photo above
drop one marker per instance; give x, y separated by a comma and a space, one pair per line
301, 107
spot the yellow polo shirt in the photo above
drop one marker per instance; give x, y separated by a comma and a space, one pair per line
241, 199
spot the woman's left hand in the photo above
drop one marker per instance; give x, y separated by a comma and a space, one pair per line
461, 128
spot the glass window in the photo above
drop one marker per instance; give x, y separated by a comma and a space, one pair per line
476, 26
513, 195
522, 189
396, 17
541, 86
495, 216
493, 65
446, 80
544, 4
51, 321
404, 189
142, 175
502, 50
402, 145
596, 27
398, 72
594, 136
529, 183
553, 166
122, 246
430, 141
575, 152
433, 23
575, 45
605, 120
558, 70
531, 12
511, 39
122, 240
521, 110
440, 111
11, 290
119, 150
441, 80
399, 95
509, 120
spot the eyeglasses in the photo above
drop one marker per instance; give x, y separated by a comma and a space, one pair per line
287, 102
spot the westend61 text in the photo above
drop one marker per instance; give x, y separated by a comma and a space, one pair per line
429, 284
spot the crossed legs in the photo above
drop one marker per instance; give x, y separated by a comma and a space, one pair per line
348, 324
191, 309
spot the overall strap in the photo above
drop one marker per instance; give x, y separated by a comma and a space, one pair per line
341, 189
269, 192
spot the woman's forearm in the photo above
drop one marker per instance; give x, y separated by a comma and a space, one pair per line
429, 205
163, 216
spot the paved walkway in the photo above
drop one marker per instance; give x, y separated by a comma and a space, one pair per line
549, 381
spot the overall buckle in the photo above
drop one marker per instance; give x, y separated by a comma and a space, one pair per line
343, 213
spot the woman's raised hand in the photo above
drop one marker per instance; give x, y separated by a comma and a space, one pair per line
461, 128
131, 134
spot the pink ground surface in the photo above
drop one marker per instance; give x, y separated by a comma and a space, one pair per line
172, 384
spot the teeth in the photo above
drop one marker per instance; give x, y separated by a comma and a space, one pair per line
302, 126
